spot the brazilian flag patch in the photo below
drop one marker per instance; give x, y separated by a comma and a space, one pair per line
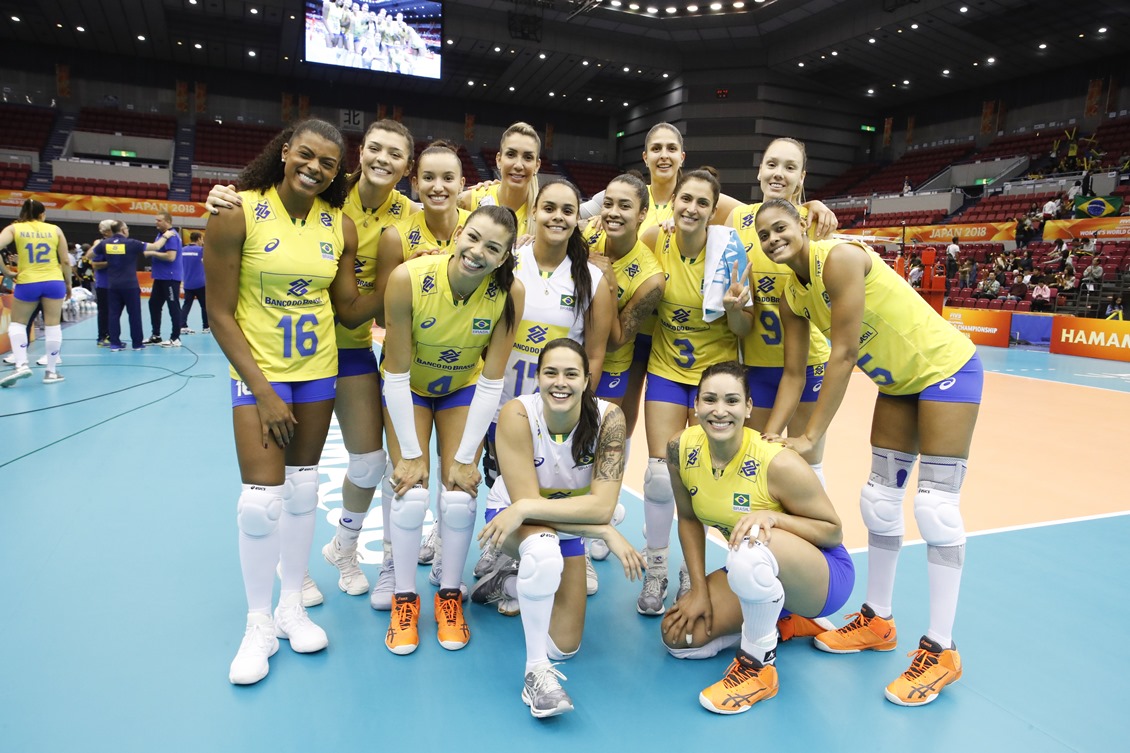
480, 327
741, 502
568, 301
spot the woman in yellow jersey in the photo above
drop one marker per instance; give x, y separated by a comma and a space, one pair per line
44, 278
518, 161
373, 203
758, 322
565, 297
441, 312
929, 379
785, 550
684, 344
438, 179
562, 456
274, 267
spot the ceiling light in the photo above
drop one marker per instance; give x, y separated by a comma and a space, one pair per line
871, 40
198, 46
589, 99
511, 88
58, 26
291, 18
180, 43
652, 9
192, 2
945, 71
716, 6
616, 3
834, 53
451, 41
800, 64
80, 28
1102, 30
552, 94
639, 71
625, 104
1043, 46
498, 49
665, 75
671, 9
541, 55
963, 9
627, 69
140, 37
286, 57
991, 60
739, 5
870, 91
470, 83
692, 9
900, 31
914, 26
16, 19
1081, 36
584, 62
633, 6
251, 53
974, 63
254, 11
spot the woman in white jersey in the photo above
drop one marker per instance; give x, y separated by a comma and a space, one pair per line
562, 456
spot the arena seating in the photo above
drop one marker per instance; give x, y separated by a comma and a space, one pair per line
590, 177
1035, 145
842, 184
127, 123
1002, 207
230, 145
917, 165
14, 175
930, 217
25, 128
94, 187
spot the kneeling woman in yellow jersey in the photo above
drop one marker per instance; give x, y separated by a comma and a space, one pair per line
44, 278
273, 268
684, 344
929, 379
784, 536
440, 313
562, 459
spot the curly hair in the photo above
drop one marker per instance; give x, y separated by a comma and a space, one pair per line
267, 170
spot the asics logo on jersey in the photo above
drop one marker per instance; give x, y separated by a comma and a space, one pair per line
692, 457
327, 250
741, 502
693, 490
414, 236
262, 211
827, 300
480, 326
429, 284
326, 219
614, 383
451, 355
538, 462
271, 245
428, 323
299, 287
537, 334
947, 384
633, 270
766, 283
750, 468
682, 316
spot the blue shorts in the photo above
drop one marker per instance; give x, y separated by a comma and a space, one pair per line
435, 403
963, 387
764, 380
841, 579
569, 547
31, 292
356, 362
613, 386
312, 391
661, 390
642, 349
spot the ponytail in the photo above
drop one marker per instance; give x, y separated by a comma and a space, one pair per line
30, 210
503, 275
588, 426
577, 251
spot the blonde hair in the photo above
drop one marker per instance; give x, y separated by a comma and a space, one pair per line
525, 129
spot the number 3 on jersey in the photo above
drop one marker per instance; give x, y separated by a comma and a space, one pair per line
298, 335
686, 353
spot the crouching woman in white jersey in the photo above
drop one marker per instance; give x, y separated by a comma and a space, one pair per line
561, 453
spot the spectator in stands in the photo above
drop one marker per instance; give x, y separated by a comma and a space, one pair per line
1074, 191
1041, 295
989, 287
953, 249
1024, 263
193, 257
1087, 247
965, 274
1000, 263
167, 273
1065, 281
1114, 308
1093, 276
906, 188
914, 277
1051, 209
1018, 291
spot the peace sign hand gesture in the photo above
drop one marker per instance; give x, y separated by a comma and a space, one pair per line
737, 295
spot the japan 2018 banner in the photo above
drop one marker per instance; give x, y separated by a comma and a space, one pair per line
104, 204
980, 232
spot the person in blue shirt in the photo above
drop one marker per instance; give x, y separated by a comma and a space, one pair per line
192, 261
167, 276
101, 284
119, 255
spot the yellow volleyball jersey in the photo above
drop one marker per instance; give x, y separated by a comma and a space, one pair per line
657, 213
448, 336
683, 344
370, 223
904, 345
741, 488
764, 345
284, 304
415, 235
37, 246
632, 270
488, 196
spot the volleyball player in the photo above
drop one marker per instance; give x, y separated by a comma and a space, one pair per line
562, 458
684, 344
781, 175
273, 268
441, 311
929, 378
785, 549
518, 161
437, 181
565, 297
44, 279
373, 203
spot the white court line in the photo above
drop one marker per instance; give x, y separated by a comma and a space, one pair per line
1057, 381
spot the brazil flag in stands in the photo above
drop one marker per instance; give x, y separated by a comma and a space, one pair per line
1097, 206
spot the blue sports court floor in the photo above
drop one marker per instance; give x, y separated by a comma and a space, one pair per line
123, 604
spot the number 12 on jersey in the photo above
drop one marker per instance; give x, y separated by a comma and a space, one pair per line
298, 334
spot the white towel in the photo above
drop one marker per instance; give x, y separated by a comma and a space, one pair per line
723, 248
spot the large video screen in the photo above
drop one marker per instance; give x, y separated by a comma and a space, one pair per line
389, 36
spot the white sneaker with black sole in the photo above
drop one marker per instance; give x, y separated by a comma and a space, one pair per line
170, 343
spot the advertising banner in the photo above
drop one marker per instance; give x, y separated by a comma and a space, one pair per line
1092, 338
982, 326
980, 232
103, 204
988, 117
1103, 227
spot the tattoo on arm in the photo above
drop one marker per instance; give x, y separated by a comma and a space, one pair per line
634, 315
673, 452
610, 447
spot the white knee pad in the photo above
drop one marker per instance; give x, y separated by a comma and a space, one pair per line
408, 511
708, 650
657, 483
366, 470
938, 515
257, 513
557, 654
457, 508
752, 573
300, 492
540, 566
881, 508
618, 515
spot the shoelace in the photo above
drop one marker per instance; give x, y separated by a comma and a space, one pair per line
652, 585
450, 609
737, 673
387, 574
405, 613
548, 679
857, 622
921, 662
259, 635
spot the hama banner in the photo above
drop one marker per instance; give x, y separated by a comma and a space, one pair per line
982, 326
1103, 227
910, 129
182, 96
988, 117
1097, 206
1093, 338
62, 81
971, 232
103, 204
201, 97
1094, 98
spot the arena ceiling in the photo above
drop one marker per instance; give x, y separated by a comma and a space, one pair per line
597, 57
